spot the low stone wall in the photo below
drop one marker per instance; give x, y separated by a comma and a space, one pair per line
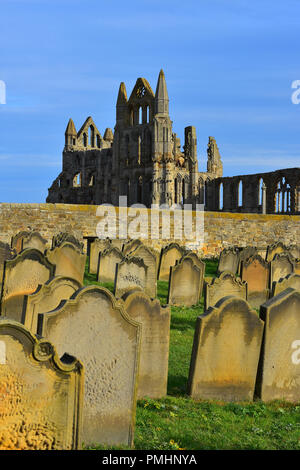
220, 229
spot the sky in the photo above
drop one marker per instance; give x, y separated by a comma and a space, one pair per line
229, 67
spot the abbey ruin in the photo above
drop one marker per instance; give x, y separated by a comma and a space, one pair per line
143, 160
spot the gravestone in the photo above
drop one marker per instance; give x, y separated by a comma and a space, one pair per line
168, 257
292, 280
62, 237
17, 240
150, 260
47, 297
130, 273
94, 327
41, 395
229, 260
256, 272
130, 246
200, 264
69, 261
281, 266
155, 338
185, 283
225, 353
224, 285
22, 275
279, 369
244, 254
297, 266
275, 249
97, 246
107, 264
34, 240
6, 253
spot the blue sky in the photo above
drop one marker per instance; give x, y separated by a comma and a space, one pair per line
229, 66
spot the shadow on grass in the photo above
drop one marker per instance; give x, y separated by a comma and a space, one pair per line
177, 385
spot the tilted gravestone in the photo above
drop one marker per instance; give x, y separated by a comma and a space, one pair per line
34, 240
149, 258
6, 253
107, 264
97, 246
222, 286
130, 273
281, 266
255, 271
292, 280
275, 249
229, 260
47, 297
168, 257
41, 395
95, 328
279, 370
185, 283
225, 353
22, 275
69, 261
155, 338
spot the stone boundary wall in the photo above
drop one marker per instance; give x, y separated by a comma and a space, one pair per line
220, 229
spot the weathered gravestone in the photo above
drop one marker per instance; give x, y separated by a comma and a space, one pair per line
292, 280
97, 246
150, 260
94, 327
275, 249
130, 273
6, 253
130, 246
69, 261
224, 285
63, 237
107, 264
256, 272
22, 275
244, 254
279, 369
34, 240
41, 395
229, 260
155, 337
281, 266
168, 257
225, 352
17, 240
47, 297
185, 283
200, 264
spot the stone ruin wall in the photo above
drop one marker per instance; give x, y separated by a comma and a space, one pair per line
221, 229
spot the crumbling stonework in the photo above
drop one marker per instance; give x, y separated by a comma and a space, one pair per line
142, 159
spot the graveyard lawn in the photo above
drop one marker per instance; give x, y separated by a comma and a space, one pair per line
177, 422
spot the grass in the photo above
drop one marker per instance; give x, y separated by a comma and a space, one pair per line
178, 422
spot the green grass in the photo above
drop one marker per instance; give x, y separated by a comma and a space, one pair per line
178, 422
